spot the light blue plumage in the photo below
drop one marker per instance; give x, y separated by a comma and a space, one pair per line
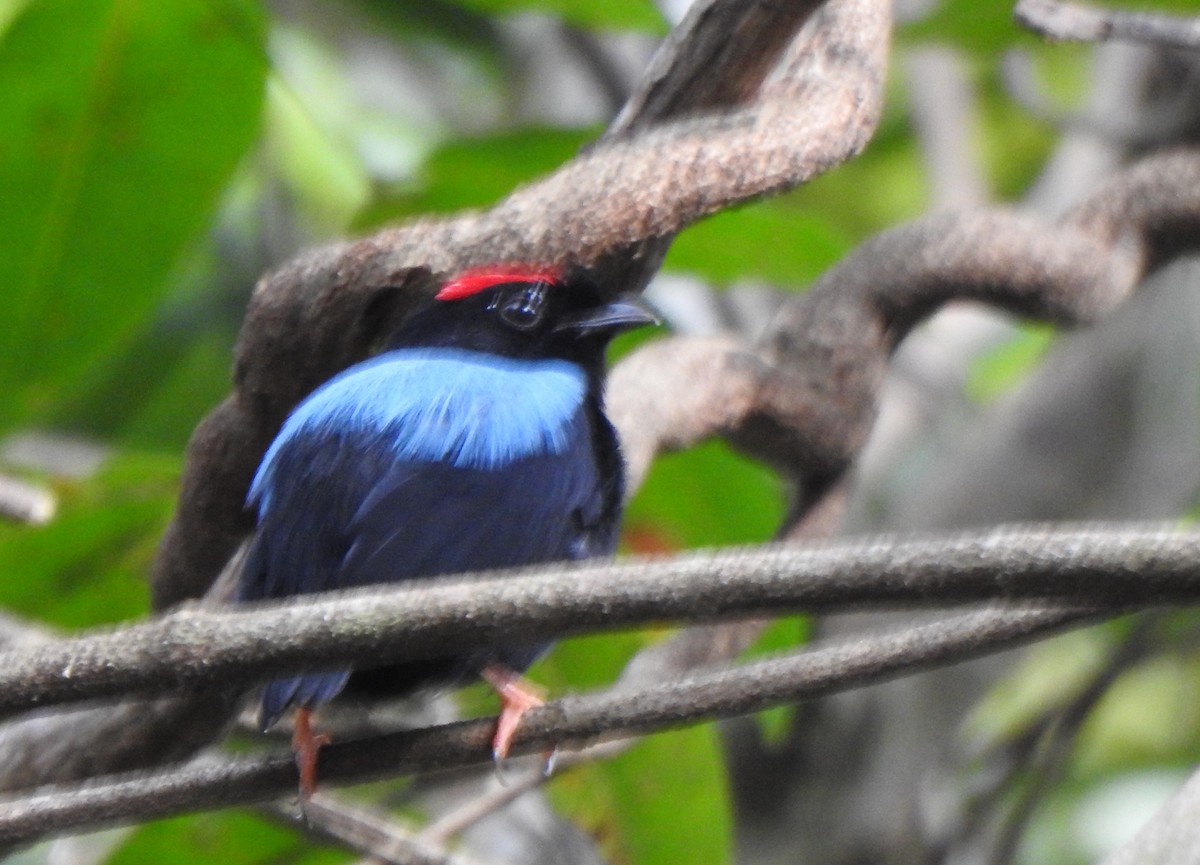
465, 408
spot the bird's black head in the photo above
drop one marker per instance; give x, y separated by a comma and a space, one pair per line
522, 311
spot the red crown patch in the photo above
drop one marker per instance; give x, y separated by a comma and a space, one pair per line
479, 279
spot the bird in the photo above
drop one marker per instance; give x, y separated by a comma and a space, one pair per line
476, 439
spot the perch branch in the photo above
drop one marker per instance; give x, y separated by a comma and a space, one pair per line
703, 696
1108, 565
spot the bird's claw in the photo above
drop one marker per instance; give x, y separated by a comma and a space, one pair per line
517, 697
306, 745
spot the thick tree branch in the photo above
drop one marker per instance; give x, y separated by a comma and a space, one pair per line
1107, 565
705, 695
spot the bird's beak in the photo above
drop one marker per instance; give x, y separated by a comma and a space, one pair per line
624, 312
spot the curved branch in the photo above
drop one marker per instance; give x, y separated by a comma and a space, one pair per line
804, 398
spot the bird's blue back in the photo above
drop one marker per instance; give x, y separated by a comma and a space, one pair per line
429, 461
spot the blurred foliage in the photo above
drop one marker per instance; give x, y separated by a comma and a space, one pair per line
156, 158
229, 838
674, 509
87, 565
108, 107
1006, 365
612, 14
477, 171
663, 801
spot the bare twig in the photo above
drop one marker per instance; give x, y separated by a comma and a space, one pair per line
607, 75
1081, 22
1156, 118
724, 692
373, 834
1056, 735
503, 793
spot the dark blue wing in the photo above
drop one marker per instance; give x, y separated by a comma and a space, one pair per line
424, 519
342, 512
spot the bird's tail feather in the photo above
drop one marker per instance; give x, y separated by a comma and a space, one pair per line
307, 691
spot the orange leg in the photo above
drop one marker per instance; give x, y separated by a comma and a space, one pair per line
516, 698
306, 745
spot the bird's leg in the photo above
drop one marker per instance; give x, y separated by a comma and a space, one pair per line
517, 696
306, 745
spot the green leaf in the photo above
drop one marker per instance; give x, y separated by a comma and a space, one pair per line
9, 9
1043, 678
767, 241
123, 120
981, 26
672, 799
1122, 734
666, 800
705, 496
608, 15
1002, 368
231, 838
477, 172
88, 565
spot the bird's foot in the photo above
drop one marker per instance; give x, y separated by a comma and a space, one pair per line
517, 696
306, 745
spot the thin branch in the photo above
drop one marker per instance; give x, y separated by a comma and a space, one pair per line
56, 747
1045, 768
1081, 22
1102, 564
1154, 119
723, 692
607, 75
503, 793
368, 832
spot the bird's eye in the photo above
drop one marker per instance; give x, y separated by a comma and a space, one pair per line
523, 308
